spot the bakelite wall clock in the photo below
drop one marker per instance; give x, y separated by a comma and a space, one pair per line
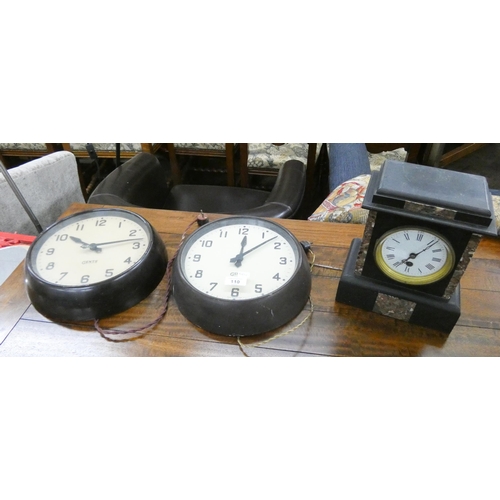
241, 276
423, 226
94, 264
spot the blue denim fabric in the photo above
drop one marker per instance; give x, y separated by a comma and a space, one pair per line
347, 160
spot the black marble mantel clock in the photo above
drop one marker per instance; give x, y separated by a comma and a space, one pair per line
423, 226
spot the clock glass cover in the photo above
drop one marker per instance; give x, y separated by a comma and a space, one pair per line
89, 249
240, 261
94, 264
414, 255
241, 276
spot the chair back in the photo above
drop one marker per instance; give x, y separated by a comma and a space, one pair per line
49, 185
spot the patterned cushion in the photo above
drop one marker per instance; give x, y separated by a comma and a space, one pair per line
496, 206
343, 204
377, 159
201, 145
105, 146
24, 146
268, 156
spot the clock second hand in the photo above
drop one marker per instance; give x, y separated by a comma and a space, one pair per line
237, 260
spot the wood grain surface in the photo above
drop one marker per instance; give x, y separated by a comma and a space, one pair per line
333, 329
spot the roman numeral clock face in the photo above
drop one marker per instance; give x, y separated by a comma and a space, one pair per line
414, 255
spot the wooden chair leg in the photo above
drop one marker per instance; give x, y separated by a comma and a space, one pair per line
244, 165
230, 163
310, 169
3, 160
176, 173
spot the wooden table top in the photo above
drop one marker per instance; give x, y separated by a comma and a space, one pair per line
333, 329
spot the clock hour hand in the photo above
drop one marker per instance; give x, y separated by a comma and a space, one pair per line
86, 245
239, 257
237, 260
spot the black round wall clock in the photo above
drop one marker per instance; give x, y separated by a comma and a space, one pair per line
94, 264
241, 276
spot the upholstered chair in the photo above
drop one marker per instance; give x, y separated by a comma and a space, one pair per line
48, 184
142, 181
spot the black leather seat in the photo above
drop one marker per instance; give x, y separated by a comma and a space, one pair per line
141, 182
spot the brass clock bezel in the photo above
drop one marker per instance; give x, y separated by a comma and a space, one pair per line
414, 280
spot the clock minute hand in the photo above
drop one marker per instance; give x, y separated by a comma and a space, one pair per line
414, 255
111, 242
95, 246
429, 245
237, 260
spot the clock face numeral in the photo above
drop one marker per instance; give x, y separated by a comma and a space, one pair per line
239, 261
87, 252
412, 255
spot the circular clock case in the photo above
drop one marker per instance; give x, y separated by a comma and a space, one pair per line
414, 255
94, 264
241, 276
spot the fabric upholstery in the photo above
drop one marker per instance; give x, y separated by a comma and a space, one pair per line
201, 145
49, 184
24, 146
106, 146
271, 157
343, 204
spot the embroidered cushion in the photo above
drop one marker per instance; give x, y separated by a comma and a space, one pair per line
343, 204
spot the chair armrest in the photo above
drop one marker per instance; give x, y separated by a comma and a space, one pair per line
288, 191
139, 182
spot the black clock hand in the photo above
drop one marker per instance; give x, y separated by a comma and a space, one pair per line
111, 242
239, 256
414, 255
86, 245
237, 260
95, 246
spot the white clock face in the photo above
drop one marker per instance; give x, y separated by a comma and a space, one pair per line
239, 261
90, 248
414, 255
